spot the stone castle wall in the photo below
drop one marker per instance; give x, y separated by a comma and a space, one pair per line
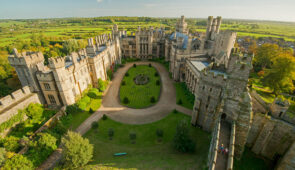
270, 137
9, 105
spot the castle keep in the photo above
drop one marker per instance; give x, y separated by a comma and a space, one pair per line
213, 70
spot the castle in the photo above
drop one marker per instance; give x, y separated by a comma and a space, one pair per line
214, 71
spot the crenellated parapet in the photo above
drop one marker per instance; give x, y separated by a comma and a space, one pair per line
25, 58
55, 63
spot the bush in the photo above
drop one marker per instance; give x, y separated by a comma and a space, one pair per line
59, 128
182, 141
179, 102
72, 109
34, 111
91, 110
94, 125
13, 120
18, 162
132, 137
11, 144
127, 74
158, 82
101, 85
156, 74
134, 65
175, 111
2, 156
77, 151
111, 133
110, 74
150, 65
93, 93
123, 83
83, 102
45, 141
104, 117
153, 100
125, 100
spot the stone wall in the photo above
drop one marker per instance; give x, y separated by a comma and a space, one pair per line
288, 161
9, 105
270, 137
231, 153
212, 157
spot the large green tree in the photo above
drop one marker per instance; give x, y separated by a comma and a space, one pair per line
70, 46
281, 75
265, 54
77, 151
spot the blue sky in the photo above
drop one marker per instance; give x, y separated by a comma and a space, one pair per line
282, 10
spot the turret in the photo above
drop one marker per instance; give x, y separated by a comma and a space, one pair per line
219, 19
208, 31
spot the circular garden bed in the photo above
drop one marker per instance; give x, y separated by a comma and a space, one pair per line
140, 87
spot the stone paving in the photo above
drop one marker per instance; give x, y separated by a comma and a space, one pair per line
112, 108
224, 138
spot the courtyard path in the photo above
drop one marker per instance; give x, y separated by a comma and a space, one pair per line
112, 108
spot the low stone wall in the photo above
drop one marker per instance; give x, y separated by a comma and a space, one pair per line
231, 153
9, 105
269, 136
212, 157
257, 97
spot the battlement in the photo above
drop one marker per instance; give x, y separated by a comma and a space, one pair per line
55, 63
214, 77
14, 97
25, 58
44, 76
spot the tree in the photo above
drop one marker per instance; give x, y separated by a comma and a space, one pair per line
282, 73
34, 111
45, 141
94, 125
18, 162
2, 156
70, 46
253, 47
158, 82
179, 102
77, 151
153, 100
265, 54
182, 141
91, 110
132, 137
159, 134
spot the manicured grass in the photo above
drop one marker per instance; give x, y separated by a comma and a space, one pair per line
183, 94
140, 95
147, 152
250, 161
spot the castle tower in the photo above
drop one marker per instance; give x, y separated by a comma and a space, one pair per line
218, 24
208, 31
181, 26
26, 65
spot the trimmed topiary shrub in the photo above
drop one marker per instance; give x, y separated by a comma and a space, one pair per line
159, 134
175, 111
123, 83
179, 102
104, 117
94, 125
127, 74
125, 100
158, 82
153, 100
111, 133
150, 65
134, 65
156, 74
132, 137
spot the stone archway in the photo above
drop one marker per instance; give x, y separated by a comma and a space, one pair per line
223, 116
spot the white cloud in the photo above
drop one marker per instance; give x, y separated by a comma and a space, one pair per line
99, 1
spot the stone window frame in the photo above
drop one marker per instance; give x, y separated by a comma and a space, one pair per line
47, 86
51, 99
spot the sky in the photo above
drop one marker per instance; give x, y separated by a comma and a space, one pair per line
280, 10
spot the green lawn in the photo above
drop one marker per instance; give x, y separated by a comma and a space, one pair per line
147, 152
250, 161
183, 94
140, 95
